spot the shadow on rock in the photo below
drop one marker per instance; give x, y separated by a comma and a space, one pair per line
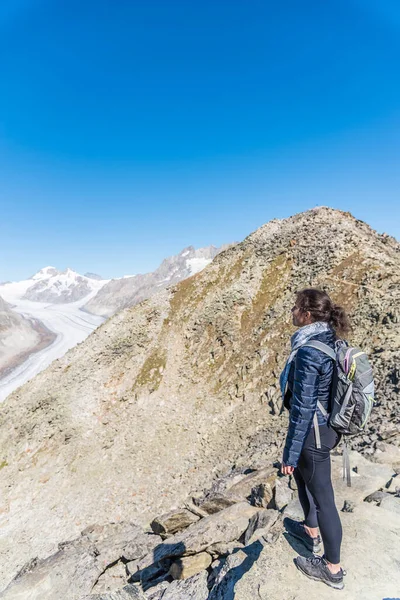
236, 565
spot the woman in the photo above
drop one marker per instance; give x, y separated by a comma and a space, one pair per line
306, 381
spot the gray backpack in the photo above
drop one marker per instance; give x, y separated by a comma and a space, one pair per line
352, 395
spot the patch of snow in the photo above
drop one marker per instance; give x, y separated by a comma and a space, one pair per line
185, 253
197, 264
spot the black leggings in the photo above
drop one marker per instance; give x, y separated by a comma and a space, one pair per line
313, 478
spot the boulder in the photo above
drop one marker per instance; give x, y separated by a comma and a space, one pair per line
194, 588
173, 522
186, 567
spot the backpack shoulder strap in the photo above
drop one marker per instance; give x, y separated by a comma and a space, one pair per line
323, 347
332, 354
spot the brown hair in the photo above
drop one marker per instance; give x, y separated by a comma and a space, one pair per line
320, 306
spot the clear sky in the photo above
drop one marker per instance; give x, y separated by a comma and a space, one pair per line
130, 129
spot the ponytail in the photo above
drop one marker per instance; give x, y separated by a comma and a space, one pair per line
321, 308
339, 320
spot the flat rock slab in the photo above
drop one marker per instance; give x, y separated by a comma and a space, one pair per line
391, 503
173, 522
194, 588
224, 526
73, 571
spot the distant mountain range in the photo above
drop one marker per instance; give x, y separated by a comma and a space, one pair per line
44, 316
128, 291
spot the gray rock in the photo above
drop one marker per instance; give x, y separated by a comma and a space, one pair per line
215, 568
173, 522
156, 592
391, 503
113, 578
74, 570
224, 526
242, 490
223, 549
283, 494
263, 520
216, 503
348, 506
233, 569
129, 592
294, 510
194, 588
376, 496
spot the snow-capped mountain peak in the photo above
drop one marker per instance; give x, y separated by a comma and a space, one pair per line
59, 287
45, 273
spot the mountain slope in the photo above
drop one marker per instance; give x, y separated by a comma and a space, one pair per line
164, 396
128, 291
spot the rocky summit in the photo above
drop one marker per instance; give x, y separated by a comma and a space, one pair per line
166, 398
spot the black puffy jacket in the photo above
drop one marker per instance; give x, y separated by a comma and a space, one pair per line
310, 380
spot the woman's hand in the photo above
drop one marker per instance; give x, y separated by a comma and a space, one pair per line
286, 469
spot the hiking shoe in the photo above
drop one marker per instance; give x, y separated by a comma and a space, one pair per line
296, 529
315, 567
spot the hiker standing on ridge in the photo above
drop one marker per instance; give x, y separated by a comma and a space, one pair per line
306, 383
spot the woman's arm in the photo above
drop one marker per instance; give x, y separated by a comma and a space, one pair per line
303, 403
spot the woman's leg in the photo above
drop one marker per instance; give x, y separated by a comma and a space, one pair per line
315, 470
306, 500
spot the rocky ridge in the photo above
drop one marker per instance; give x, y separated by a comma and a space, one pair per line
167, 396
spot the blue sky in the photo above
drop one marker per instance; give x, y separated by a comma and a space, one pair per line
131, 129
